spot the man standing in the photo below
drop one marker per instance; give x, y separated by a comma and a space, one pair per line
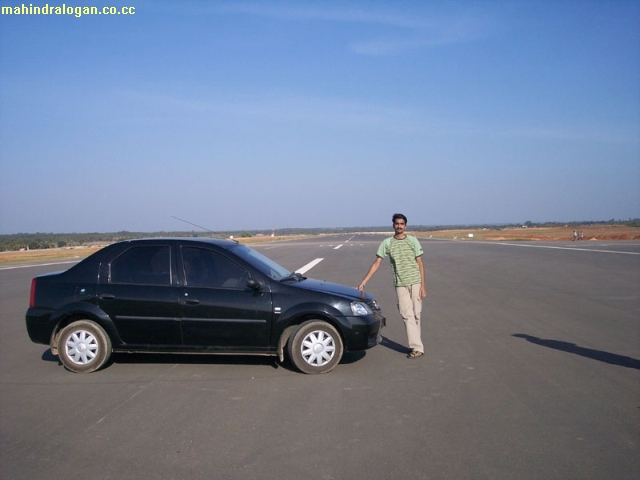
405, 254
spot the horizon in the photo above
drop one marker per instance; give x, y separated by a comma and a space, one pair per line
257, 115
356, 229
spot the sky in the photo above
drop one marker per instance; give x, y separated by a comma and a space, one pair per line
256, 115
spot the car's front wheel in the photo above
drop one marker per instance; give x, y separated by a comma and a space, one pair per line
83, 346
315, 347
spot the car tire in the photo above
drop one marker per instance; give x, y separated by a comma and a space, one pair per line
83, 346
315, 347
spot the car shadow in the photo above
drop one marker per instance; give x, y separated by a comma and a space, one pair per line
123, 358
599, 355
173, 358
48, 356
352, 357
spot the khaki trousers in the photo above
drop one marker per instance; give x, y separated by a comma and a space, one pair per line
410, 307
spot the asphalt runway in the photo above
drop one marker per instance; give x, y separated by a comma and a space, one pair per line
531, 371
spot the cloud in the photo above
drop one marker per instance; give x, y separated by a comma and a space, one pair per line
443, 32
393, 33
286, 108
281, 108
312, 12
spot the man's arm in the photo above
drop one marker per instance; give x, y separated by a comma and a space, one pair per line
423, 284
372, 270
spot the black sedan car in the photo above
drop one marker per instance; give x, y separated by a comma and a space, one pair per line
186, 295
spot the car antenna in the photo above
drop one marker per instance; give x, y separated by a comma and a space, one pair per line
203, 228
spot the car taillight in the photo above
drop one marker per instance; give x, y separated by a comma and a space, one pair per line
32, 297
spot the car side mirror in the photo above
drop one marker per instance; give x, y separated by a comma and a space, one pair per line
254, 284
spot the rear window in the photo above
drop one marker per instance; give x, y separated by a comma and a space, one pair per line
148, 265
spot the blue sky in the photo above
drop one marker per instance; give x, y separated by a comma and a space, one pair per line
260, 115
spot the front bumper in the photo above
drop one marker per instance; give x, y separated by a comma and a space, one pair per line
361, 332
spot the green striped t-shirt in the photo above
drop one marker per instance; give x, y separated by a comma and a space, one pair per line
403, 254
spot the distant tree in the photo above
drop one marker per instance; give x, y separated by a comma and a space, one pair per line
528, 223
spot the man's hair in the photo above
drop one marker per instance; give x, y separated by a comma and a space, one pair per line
397, 216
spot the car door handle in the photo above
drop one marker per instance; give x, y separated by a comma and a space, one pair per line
190, 301
108, 296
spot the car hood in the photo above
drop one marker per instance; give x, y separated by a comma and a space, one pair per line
334, 288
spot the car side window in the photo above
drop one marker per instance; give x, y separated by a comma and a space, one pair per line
206, 268
148, 265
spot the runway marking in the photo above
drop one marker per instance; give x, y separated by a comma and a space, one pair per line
336, 248
309, 265
566, 248
13, 267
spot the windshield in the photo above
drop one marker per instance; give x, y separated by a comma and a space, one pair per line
262, 263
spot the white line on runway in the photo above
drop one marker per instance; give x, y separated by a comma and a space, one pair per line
309, 265
566, 248
338, 246
37, 265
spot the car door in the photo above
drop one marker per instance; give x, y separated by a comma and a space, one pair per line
141, 297
219, 311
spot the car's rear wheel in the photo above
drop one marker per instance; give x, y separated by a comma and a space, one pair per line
315, 347
83, 346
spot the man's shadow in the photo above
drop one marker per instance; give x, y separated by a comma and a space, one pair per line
599, 355
390, 344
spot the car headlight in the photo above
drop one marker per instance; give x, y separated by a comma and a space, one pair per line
359, 308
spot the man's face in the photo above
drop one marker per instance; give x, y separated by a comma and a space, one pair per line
399, 226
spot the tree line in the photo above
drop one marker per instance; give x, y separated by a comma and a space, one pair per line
38, 241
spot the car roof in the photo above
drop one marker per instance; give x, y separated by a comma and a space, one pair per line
224, 243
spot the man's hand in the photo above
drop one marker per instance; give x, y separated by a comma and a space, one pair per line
423, 292
372, 270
